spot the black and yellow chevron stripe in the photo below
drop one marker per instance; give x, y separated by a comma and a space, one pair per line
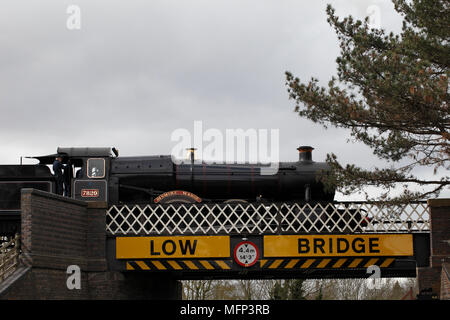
155, 265
269, 264
329, 263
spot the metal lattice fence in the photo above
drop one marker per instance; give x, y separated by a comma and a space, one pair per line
9, 257
263, 218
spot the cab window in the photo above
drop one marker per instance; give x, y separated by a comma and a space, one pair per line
96, 168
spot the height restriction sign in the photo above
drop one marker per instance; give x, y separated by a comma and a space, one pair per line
246, 253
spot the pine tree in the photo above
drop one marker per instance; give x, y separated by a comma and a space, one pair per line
392, 92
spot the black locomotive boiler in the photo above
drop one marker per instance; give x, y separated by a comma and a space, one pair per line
99, 174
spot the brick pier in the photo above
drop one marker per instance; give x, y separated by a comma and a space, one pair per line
432, 277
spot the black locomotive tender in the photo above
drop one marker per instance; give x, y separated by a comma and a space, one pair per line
99, 174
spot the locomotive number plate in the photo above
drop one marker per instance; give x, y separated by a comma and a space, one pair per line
89, 193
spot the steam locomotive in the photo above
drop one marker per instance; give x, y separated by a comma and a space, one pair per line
100, 174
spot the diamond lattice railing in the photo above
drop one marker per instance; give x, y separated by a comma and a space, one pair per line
9, 257
267, 218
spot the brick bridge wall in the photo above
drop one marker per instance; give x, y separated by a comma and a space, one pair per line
430, 277
58, 232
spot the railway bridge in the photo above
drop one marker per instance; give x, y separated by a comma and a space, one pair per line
142, 251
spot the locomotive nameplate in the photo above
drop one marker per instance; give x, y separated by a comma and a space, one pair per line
173, 247
182, 193
338, 245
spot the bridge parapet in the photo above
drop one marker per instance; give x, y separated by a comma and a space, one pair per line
268, 218
269, 240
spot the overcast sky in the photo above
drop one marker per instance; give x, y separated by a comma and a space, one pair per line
138, 70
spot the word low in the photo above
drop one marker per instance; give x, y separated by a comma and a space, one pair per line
170, 247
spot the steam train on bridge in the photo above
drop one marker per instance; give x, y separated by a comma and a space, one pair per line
100, 174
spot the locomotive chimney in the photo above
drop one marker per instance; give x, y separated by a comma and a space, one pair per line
305, 153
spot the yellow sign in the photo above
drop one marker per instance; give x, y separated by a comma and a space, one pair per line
173, 247
338, 245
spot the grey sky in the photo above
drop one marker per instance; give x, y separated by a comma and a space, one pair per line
138, 70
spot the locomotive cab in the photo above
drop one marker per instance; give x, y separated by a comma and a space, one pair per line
91, 180
92, 166
86, 171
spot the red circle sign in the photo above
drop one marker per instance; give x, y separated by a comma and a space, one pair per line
246, 253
